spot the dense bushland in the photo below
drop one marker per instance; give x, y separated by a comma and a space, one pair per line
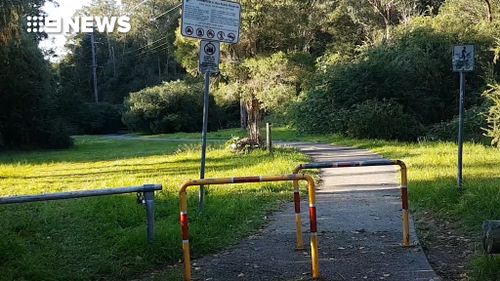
28, 115
171, 107
412, 69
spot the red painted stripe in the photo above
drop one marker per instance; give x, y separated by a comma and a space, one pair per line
312, 219
404, 198
296, 199
246, 179
185, 226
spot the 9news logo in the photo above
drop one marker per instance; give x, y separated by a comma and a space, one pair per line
54, 25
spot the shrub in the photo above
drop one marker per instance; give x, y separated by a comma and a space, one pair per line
28, 117
474, 122
55, 134
171, 107
412, 69
318, 115
382, 120
493, 115
100, 118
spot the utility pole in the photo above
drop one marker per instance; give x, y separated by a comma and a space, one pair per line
94, 66
159, 68
111, 56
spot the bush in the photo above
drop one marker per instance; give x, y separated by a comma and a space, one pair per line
382, 120
171, 107
493, 115
412, 69
55, 134
474, 124
28, 116
318, 115
100, 118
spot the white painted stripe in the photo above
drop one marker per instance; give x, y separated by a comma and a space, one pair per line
184, 213
261, 178
185, 241
232, 180
312, 205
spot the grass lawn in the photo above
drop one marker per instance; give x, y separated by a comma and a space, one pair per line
104, 238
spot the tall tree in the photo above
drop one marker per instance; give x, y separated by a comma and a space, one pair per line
27, 106
267, 27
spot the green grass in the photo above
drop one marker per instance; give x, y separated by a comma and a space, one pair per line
104, 238
279, 133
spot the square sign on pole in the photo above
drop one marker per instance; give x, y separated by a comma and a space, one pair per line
463, 61
215, 20
209, 56
463, 58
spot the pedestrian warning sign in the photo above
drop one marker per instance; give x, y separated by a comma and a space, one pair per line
217, 20
463, 58
209, 56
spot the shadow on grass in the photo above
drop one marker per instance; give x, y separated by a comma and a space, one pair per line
105, 238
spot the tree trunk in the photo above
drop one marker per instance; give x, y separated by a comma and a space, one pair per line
387, 29
491, 237
254, 118
243, 115
489, 12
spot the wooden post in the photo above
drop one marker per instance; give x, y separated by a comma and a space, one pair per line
269, 137
491, 236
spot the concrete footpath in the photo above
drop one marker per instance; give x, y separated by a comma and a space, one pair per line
359, 226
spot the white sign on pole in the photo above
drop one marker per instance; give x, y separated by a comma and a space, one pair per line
463, 58
215, 20
209, 56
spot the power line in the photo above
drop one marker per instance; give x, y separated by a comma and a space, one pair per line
136, 6
168, 11
148, 45
151, 50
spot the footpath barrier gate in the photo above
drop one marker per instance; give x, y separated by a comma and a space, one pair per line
145, 195
184, 220
344, 164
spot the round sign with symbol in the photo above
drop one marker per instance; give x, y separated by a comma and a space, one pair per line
210, 49
189, 30
210, 33
221, 35
231, 36
200, 32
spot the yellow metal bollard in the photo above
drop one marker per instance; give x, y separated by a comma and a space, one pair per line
405, 203
298, 217
184, 220
378, 162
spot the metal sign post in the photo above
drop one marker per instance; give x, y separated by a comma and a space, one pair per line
209, 63
463, 61
212, 21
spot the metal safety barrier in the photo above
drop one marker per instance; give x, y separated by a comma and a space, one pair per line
184, 220
145, 196
343, 164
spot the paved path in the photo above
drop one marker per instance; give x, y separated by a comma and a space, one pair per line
359, 224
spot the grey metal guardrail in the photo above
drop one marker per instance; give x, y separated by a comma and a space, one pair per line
145, 196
